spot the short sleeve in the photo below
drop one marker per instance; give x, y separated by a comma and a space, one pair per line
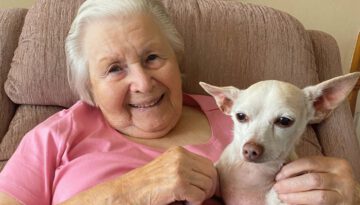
29, 173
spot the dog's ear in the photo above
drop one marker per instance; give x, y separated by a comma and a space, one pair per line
224, 96
326, 96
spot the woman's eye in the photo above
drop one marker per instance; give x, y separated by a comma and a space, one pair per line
154, 61
241, 117
115, 68
151, 57
284, 122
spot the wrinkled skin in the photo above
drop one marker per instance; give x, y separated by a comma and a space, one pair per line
316, 180
177, 175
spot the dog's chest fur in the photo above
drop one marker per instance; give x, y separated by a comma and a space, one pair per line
247, 183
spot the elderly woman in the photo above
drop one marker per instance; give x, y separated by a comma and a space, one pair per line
135, 138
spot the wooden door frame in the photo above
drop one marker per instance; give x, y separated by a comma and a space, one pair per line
355, 67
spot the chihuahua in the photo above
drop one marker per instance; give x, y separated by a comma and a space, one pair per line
269, 119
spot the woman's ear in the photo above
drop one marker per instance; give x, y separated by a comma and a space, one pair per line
224, 96
324, 97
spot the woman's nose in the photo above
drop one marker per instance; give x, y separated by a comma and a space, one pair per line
141, 80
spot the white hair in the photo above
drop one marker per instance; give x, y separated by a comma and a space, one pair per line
78, 72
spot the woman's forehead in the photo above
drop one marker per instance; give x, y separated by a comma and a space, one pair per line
110, 36
132, 28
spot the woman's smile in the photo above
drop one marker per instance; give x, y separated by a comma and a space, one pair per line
147, 104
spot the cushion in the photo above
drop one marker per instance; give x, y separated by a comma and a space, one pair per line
308, 144
26, 117
232, 43
336, 134
2, 164
11, 22
38, 70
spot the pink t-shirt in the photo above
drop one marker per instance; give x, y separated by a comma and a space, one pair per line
76, 149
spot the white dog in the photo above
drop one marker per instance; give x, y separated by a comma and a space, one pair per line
269, 118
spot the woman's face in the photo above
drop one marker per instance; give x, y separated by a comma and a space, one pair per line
134, 75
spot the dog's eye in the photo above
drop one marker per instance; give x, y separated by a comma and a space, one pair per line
241, 117
284, 122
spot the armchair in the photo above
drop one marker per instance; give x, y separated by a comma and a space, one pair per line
226, 43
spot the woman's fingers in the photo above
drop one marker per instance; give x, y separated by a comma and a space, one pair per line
305, 182
182, 176
207, 175
202, 171
199, 173
314, 197
200, 164
187, 184
316, 180
191, 194
301, 166
203, 182
313, 164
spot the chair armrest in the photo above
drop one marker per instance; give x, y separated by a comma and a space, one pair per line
337, 133
11, 22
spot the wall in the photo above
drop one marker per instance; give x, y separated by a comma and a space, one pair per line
16, 3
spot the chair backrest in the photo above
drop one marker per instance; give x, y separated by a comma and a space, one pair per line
226, 43
232, 43
11, 22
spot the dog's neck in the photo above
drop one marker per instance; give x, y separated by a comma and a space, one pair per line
249, 182
254, 172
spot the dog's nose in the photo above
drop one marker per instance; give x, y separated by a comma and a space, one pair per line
252, 151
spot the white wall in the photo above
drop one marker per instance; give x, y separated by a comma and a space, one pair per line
16, 3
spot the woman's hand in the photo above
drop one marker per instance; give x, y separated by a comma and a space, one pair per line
316, 180
176, 175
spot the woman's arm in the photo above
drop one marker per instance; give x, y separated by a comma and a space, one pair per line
317, 180
7, 200
176, 175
